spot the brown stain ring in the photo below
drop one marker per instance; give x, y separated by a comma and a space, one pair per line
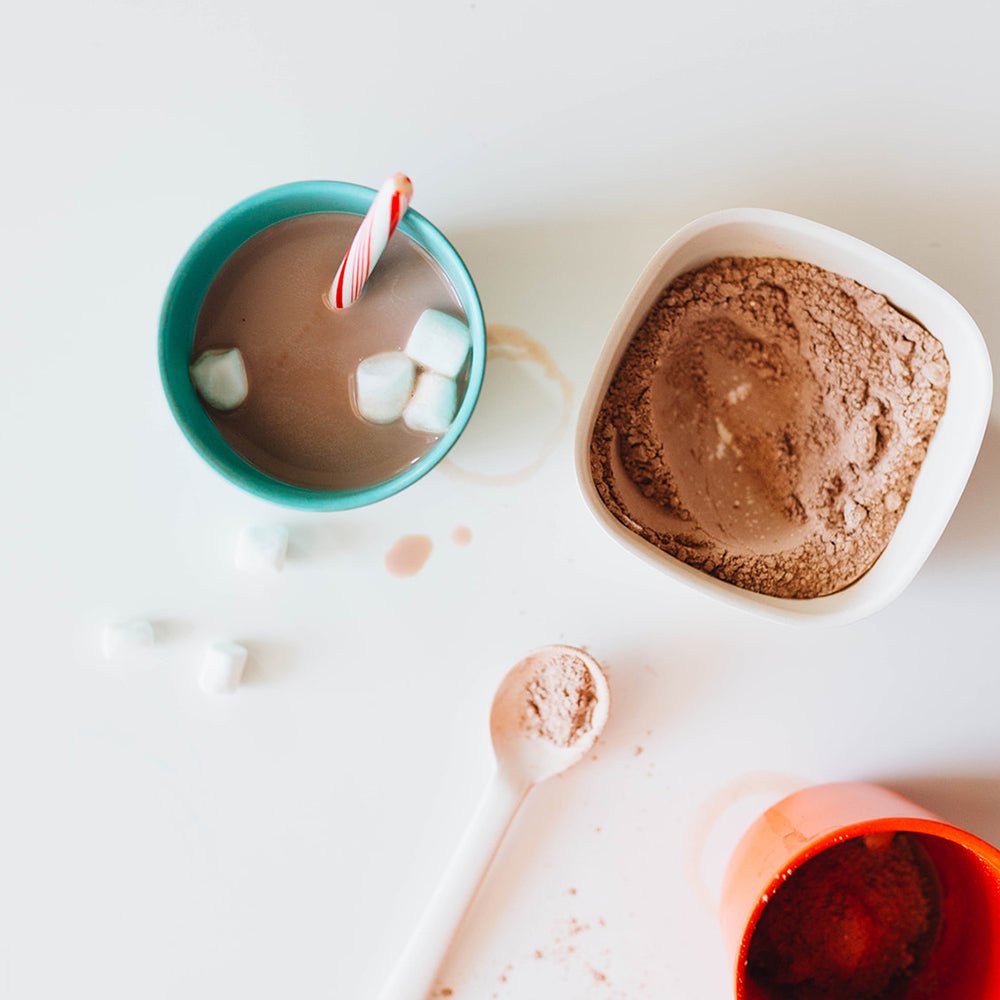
510, 343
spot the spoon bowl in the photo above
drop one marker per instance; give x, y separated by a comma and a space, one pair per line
524, 755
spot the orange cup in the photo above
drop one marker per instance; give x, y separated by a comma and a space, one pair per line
965, 962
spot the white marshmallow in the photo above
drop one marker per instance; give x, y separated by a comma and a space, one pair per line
222, 668
383, 385
262, 548
127, 639
433, 405
439, 342
221, 378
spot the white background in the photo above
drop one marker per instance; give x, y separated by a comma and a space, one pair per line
155, 843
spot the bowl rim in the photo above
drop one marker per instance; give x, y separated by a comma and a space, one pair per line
324, 196
843, 606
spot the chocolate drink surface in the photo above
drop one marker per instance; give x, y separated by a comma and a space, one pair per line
299, 422
766, 424
856, 922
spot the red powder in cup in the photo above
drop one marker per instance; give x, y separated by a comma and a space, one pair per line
856, 922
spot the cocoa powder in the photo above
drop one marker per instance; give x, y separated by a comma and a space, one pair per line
767, 423
559, 700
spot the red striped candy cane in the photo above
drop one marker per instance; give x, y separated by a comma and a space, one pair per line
373, 234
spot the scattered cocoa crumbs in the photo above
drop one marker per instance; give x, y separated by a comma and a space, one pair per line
581, 951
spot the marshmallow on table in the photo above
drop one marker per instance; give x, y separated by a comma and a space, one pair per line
383, 385
439, 342
221, 378
261, 548
222, 668
130, 638
432, 406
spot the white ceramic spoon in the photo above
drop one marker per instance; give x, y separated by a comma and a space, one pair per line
523, 759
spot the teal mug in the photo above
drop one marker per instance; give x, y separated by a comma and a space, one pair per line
186, 293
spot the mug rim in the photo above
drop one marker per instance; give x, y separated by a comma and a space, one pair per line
322, 196
866, 808
982, 849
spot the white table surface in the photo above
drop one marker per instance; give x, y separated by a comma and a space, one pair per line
157, 843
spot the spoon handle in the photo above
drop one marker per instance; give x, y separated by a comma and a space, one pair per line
413, 976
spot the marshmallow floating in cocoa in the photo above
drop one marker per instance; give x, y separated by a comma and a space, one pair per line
221, 378
439, 342
383, 385
432, 406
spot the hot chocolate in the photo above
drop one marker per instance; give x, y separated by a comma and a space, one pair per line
299, 421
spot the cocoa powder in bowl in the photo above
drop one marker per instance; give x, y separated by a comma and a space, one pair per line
767, 423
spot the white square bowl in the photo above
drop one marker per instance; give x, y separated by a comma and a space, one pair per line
755, 232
